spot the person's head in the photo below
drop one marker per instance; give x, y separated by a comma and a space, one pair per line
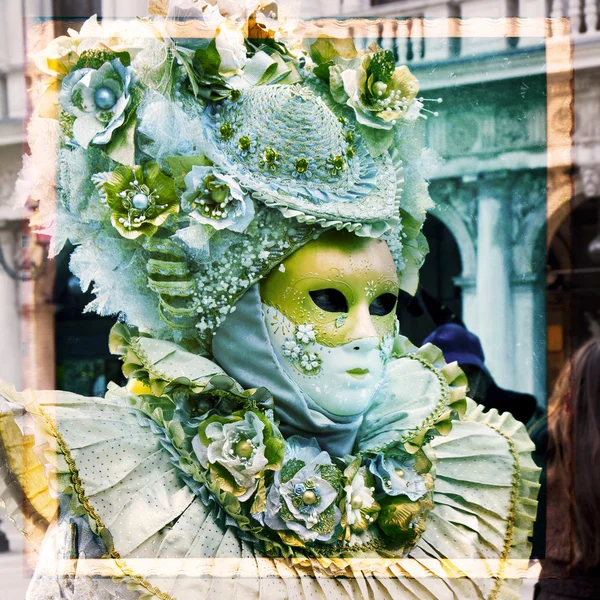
574, 448
330, 312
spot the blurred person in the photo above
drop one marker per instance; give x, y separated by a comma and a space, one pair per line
572, 565
460, 345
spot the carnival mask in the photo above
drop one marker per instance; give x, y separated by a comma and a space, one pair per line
330, 314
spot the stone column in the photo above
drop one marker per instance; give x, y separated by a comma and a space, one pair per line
528, 208
495, 323
530, 344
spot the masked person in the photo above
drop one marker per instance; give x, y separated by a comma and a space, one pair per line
251, 211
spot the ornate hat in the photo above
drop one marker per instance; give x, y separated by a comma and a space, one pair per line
189, 167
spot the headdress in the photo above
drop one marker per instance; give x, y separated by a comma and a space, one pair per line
194, 156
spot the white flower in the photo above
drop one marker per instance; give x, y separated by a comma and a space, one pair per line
118, 35
186, 9
359, 497
231, 48
306, 333
60, 56
396, 476
292, 350
237, 446
310, 362
215, 199
98, 99
308, 497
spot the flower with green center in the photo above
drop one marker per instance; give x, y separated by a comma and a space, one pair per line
336, 164
244, 143
238, 449
141, 199
351, 152
302, 498
301, 165
226, 130
270, 158
379, 92
98, 99
215, 199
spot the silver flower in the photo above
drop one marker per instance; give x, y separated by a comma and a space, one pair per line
97, 98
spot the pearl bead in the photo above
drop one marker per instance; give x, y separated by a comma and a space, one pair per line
140, 201
243, 449
105, 98
356, 502
309, 497
400, 473
380, 88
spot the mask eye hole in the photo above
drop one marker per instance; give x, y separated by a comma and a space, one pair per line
330, 300
383, 305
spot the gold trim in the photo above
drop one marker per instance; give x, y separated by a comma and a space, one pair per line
510, 521
83, 499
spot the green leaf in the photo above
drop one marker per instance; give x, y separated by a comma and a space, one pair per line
322, 71
274, 452
209, 57
326, 49
378, 140
259, 504
121, 147
181, 165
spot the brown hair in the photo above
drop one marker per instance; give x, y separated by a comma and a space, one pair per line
574, 456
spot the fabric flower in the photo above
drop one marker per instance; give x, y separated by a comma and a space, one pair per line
360, 507
310, 362
292, 350
377, 91
140, 200
215, 199
302, 498
231, 47
305, 333
97, 98
60, 55
237, 450
396, 475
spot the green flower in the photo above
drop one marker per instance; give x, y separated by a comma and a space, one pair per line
379, 92
141, 199
270, 158
237, 450
336, 164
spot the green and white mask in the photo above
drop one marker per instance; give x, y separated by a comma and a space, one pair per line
329, 311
